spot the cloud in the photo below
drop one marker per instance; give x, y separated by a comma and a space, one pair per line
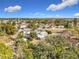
13, 8
65, 3
76, 14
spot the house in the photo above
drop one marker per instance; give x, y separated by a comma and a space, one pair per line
73, 39
42, 34
71, 24
56, 34
27, 35
77, 45
57, 27
23, 25
61, 26
66, 33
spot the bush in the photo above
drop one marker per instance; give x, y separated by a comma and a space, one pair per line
33, 34
6, 52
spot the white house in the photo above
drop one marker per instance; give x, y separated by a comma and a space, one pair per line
61, 26
23, 25
58, 27
27, 35
42, 35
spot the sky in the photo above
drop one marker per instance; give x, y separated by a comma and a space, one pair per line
39, 8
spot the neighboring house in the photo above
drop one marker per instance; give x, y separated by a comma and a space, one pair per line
66, 33
42, 35
39, 29
23, 25
27, 35
4, 21
57, 27
61, 26
77, 44
78, 24
47, 26
74, 40
71, 24
56, 34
